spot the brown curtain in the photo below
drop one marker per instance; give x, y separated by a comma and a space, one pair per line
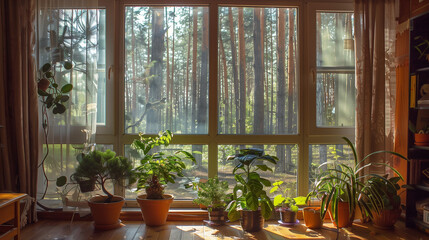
375, 78
18, 99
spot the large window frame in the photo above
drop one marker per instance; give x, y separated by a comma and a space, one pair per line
308, 132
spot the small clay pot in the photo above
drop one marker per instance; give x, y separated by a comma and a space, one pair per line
287, 216
421, 139
312, 217
106, 215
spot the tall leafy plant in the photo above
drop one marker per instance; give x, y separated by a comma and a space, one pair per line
249, 192
342, 183
158, 168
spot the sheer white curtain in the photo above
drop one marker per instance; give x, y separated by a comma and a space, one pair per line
68, 31
375, 77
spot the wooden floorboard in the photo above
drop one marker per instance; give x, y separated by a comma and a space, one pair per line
187, 230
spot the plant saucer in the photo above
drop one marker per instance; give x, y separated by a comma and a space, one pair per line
286, 224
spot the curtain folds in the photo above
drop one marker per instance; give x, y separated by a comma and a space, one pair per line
68, 31
18, 93
375, 78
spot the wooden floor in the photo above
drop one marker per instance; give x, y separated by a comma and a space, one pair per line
62, 230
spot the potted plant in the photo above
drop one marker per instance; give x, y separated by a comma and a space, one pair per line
213, 194
106, 165
250, 201
156, 170
342, 189
286, 205
386, 206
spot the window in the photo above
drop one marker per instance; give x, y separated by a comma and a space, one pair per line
276, 75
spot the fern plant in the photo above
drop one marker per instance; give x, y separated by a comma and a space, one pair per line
212, 193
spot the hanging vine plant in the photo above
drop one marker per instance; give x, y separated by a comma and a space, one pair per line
53, 97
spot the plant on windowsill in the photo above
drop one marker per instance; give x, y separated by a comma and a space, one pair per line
103, 166
342, 189
157, 169
213, 194
286, 205
250, 201
386, 207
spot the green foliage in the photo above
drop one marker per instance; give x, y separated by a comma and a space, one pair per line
342, 183
283, 198
248, 193
385, 193
53, 96
102, 166
158, 168
212, 193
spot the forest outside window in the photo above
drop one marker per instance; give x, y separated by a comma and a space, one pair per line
335, 93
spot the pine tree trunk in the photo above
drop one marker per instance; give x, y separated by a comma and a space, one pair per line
242, 49
258, 109
281, 85
234, 69
155, 84
225, 83
291, 81
194, 69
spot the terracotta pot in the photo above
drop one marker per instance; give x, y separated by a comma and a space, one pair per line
251, 221
216, 215
421, 139
155, 211
386, 219
106, 215
287, 216
312, 217
344, 218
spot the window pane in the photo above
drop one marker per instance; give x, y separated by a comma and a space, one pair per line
166, 69
191, 172
333, 154
335, 91
285, 170
258, 76
335, 100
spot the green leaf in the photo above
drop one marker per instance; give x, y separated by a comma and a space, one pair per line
46, 67
59, 108
68, 65
49, 101
49, 74
61, 181
278, 200
66, 88
274, 188
266, 182
42, 93
64, 98
262, 167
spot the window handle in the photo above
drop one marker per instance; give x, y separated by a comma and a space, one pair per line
109, 71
